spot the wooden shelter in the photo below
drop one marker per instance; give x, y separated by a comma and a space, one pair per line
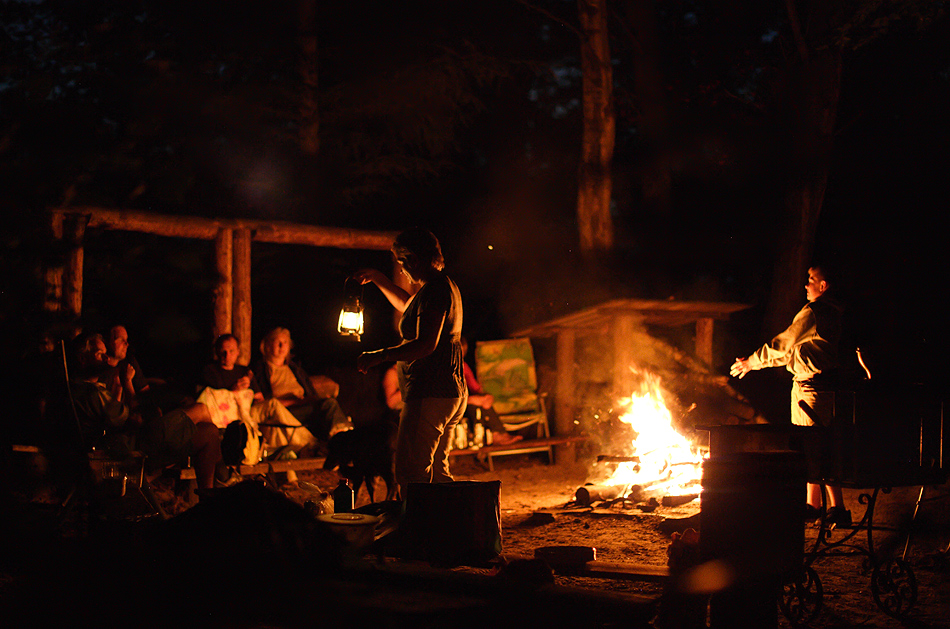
618, 319
232, 240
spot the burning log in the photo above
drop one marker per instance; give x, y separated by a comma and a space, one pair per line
675, 501
588, 494
610, 458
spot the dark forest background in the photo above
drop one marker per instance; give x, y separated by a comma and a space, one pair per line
464, 117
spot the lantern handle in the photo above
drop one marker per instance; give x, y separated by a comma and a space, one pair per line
346, 284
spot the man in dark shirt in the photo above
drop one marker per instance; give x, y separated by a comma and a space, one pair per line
107, 411
120, 355
226, 373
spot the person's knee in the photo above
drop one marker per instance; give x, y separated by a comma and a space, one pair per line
198, 413
205, 433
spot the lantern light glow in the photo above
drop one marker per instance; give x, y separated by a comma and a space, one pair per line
351, 316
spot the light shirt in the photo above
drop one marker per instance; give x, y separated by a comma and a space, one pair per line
283, 382
810, 344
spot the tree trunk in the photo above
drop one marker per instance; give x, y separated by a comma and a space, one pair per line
53, 263
654, 120
595, 225
817, 84
307, 69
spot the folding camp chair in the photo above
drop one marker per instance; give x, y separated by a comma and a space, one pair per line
506, 370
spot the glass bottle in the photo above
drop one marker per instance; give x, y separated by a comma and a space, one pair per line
343, 497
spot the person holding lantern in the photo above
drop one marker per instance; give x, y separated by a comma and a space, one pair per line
429, 358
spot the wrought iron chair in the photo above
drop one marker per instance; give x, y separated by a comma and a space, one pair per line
506, 370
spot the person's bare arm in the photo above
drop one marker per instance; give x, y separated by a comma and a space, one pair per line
396, 295
242, 383
485, 400
428, 333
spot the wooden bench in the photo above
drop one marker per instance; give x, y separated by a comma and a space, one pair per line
644, 573
266, 467
526, 446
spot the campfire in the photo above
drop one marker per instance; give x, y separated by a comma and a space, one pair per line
658, 466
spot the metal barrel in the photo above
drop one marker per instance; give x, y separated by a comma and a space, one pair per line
751, 522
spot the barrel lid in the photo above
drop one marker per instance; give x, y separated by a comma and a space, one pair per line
348, 519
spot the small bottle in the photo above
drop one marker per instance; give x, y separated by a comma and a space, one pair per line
343, 497
479, 435
461, 435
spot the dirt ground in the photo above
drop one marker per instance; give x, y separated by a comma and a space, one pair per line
536, 512
534, 496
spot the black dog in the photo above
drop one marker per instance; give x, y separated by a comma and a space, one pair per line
363, 454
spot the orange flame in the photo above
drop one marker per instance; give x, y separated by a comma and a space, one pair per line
668, 464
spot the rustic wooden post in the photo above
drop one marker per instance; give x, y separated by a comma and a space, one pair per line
564, 399
622, 330
704, 340
241, 304
53, 267
564, 395
74, 230
223, 286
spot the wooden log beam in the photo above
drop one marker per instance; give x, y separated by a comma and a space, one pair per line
297, 234
241, 300
208, 228
223, 284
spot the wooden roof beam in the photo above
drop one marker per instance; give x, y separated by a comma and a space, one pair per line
207, 228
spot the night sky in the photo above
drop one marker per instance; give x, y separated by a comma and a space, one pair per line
464, 117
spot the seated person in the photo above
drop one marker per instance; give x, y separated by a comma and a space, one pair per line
478, 398
227, 374
282, 378
392, 396
109, 419
391, 393
119, 355
155, 393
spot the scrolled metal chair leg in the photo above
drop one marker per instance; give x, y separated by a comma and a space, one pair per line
801, 599
894, 587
